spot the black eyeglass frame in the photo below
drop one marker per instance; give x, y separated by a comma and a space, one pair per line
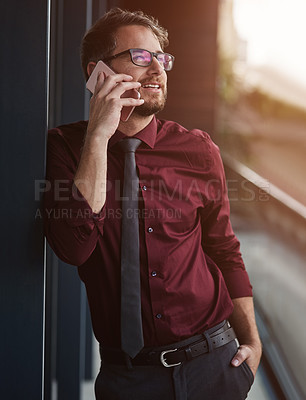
131, 54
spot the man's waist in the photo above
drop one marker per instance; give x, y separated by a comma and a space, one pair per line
175, 353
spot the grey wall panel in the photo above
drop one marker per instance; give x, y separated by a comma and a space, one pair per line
69, 332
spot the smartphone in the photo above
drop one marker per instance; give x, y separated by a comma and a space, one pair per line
91, 84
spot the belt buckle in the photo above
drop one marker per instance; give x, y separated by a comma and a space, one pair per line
164, 362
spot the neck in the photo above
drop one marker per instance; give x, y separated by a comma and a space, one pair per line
134, 124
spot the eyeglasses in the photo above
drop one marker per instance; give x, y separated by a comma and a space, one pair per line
144, 58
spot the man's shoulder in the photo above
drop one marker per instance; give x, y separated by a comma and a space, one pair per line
172, 127
74, 131
196, 144
67, 140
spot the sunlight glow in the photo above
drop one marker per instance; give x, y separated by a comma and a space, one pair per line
275, 31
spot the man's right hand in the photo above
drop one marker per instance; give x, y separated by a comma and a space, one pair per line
106, 104
104, 118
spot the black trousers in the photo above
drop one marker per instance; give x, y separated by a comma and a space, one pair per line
207, 377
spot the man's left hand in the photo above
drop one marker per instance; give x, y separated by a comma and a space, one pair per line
244, 324
249, 353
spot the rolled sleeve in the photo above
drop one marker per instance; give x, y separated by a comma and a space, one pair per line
71, 227
218, 238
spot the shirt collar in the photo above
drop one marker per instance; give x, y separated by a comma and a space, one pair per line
147, 135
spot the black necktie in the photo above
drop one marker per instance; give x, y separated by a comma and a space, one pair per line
131, 322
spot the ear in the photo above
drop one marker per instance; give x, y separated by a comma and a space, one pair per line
90, 67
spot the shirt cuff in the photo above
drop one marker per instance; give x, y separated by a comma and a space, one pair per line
238, 284
73, 208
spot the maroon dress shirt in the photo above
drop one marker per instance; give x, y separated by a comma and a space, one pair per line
191, 264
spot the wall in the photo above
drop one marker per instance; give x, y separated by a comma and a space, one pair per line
23, 123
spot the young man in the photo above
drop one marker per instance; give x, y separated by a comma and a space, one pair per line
192, 277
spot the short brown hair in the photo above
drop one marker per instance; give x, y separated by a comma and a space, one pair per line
100, 40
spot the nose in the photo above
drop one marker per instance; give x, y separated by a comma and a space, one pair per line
156, 66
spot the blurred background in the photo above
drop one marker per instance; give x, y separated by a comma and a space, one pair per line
240, 75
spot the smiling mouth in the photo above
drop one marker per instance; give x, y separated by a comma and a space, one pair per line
151, 86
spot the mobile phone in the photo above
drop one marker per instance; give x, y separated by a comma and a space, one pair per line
91, 84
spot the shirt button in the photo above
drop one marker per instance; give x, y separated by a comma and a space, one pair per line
144, 188
158, 316
150, 230
153, 273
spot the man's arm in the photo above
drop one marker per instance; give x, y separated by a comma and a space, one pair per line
104, 118
244, 324
72, 219
90, 177
220, 243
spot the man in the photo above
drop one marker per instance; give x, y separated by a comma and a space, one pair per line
192, 277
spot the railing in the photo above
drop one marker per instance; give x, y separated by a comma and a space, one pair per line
255, 195
285, 213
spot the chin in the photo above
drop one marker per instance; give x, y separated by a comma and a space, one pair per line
150, 107
146, 110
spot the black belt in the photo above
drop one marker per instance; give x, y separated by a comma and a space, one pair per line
175, 354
